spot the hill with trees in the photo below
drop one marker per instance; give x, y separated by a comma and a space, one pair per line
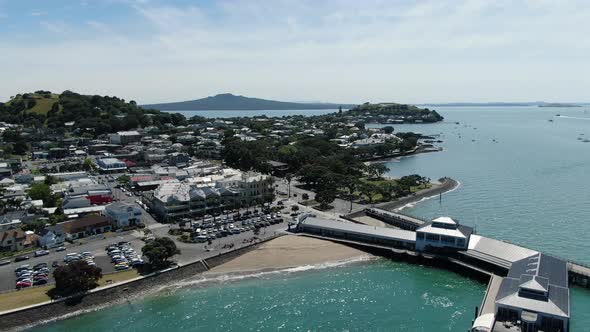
93, 114
409, 113
228, 101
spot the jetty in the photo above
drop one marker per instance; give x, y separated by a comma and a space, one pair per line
527, 290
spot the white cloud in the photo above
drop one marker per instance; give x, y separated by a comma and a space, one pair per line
344, 51
57, 27
38, 13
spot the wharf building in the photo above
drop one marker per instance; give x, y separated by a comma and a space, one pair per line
442, 232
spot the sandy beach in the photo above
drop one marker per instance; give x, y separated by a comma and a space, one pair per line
289, 251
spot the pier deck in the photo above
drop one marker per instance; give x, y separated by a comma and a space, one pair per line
395, 219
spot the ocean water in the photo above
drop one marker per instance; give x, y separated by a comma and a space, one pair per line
242, 113
523, 179
370, 296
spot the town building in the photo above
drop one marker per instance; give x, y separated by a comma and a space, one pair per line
443, 233
192, 197
124, 214
52, 236
125, 137
13, 240
111, 165
86, 226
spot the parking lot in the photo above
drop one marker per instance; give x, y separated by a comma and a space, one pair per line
96, 246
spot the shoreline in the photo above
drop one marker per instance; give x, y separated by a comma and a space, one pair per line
265, 258
289, 252
383, 159
446, 185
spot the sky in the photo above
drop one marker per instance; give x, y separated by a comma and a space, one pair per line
344, 51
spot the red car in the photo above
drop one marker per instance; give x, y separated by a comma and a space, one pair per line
23, 284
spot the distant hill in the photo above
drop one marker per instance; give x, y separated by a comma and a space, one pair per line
228, 101
559, 105
504, 104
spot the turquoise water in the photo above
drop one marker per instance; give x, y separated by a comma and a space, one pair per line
376, 296
269, 113
523, 179
529, 186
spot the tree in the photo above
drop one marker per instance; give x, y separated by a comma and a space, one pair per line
76, 277
124, 180
325, 197
159, 251
351, 185
387, 129
40, 191
50, 179
88, 165
36, 226
368, 189
289, 178
377, 170
305, 196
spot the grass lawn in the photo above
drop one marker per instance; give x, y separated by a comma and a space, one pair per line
43, 105
25, 297
118, 277
30, 296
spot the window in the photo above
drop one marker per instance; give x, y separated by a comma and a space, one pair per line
420, 236
432, 237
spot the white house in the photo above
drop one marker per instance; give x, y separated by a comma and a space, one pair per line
443, 232
124, 214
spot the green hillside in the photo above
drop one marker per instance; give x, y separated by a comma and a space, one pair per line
92, 114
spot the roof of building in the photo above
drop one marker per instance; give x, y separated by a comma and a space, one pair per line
121, 205
459, 232
497, 251
172, 191
128, 133
445, 220
73, 226
94, 208
380, 232
12, 233
110, 161
543, 276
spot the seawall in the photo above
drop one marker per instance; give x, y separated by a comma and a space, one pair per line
447, 184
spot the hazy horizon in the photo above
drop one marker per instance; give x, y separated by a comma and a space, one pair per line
156, 51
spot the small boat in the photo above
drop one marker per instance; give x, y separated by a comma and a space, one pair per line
558, 114
550, 120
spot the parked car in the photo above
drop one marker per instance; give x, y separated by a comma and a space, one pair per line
23, 284
60, 249
5, 262
40, 266
21, 258
40, 253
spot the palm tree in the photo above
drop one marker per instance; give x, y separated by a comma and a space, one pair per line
289, 178
351, 185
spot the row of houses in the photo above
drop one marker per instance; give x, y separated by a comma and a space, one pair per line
116, 216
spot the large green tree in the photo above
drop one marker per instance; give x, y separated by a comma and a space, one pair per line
74, 278
159, 251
